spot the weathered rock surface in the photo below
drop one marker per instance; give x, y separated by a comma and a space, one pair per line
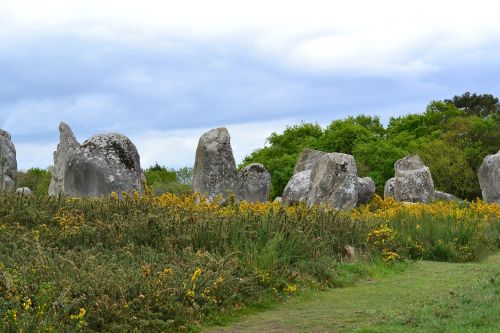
254, 183
278, 200
443, 196
214, 166
366, 190
103, 164
307, 160
8, 161
389, 188
23, 191
65, 149
489, 178
297, 189
413, 181
334, 181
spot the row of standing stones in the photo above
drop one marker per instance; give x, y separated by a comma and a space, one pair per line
107, 163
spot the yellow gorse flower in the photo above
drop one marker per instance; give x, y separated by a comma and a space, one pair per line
80, 314
27, 304
196, 274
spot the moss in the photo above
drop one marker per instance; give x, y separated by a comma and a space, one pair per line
127, 160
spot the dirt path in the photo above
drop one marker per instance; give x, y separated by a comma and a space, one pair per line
370, 302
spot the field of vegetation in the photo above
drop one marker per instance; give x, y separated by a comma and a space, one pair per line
169, 262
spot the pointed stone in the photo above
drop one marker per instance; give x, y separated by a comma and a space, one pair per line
65, 150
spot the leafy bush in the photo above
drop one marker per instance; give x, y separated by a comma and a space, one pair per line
37, 180
163, 180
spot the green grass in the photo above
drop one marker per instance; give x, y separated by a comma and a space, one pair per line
164, 264
425, 297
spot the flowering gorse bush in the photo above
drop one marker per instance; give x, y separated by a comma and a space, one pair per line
164, 263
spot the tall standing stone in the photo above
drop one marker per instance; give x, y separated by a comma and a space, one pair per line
413, 181
103, 164
489, 178
8, 161
334, 181
254, 183
214, 166
307, 159
65, 150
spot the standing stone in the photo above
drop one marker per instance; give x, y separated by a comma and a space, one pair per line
103, 164
65, 150
389, 188
489, 178
214, 166
366, 190
307, 160
297, 189
254, 183
334, 181
413, 180
8, 162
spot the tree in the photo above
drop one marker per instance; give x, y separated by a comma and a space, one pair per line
376, 159
342, 136
478, 105
450, 169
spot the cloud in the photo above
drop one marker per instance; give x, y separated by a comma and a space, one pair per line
161, 71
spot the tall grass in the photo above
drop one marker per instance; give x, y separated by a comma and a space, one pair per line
164, 263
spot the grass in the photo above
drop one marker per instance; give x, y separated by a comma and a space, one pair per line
423, 297
170, 263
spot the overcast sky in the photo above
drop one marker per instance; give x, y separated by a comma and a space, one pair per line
164, 72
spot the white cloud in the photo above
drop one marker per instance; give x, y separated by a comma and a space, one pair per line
35, 155
372, 36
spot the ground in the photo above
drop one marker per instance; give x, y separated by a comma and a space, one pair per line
424, 297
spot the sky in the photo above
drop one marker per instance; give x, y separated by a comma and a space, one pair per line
164, 72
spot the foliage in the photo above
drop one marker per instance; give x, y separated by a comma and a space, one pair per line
376, 160
37, 180
165, 263
343, 135
453, 137
478, 105
163, 180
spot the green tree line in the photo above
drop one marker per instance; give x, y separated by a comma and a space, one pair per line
451, 136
